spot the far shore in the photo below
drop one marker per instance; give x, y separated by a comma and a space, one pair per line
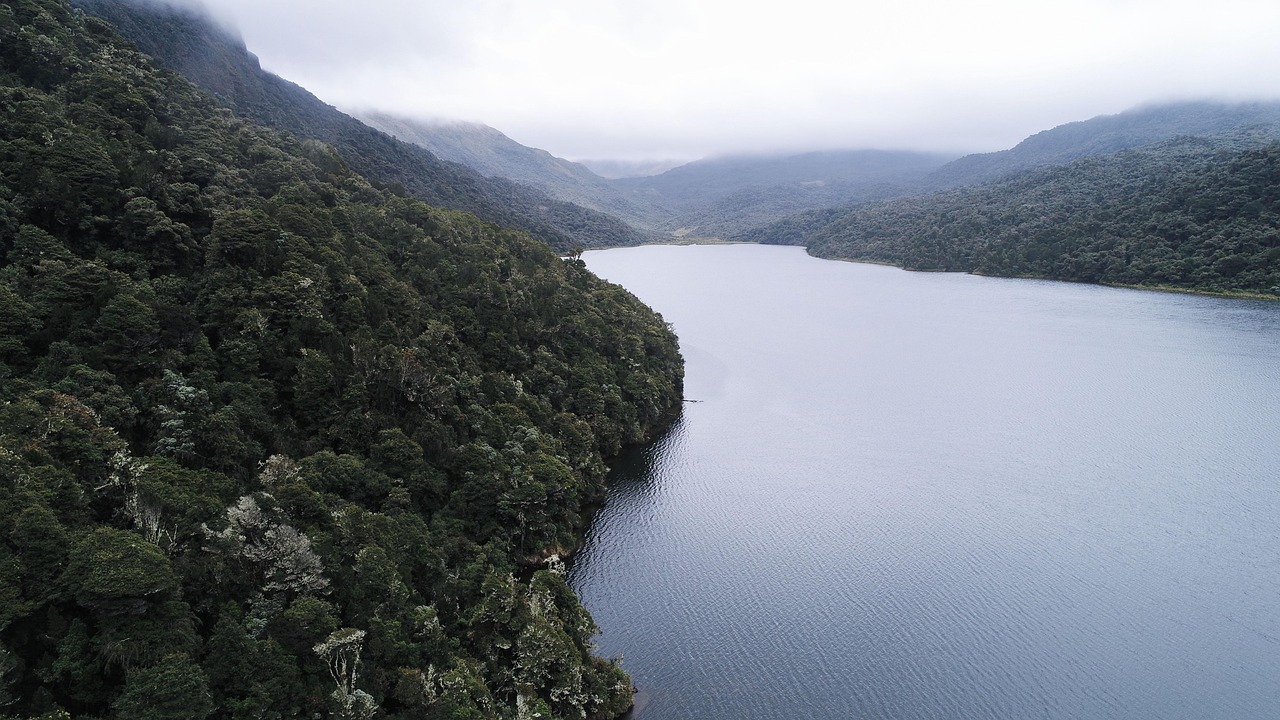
1232, 294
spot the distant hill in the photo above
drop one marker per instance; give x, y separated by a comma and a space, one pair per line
724, 196
732, 197
784, 199
706, 198
615, 169
1107, 134
1196, 213
493, 154
188, 42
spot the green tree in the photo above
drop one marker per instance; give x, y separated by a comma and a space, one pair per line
173, 689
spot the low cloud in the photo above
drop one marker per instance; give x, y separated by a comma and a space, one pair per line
613, 78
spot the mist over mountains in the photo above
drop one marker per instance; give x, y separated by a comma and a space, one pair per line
617, 169
730, 197
764, 198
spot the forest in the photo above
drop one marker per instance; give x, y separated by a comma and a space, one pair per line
277, 440
1191, 213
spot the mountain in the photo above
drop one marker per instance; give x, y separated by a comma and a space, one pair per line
276, 440
1194, 213
489, 152
1107, 134
736, 197
185, 40
725, 196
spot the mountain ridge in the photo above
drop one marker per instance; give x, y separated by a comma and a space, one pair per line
1105, 134
491, 153
187, 40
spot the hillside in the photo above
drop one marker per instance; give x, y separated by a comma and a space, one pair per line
493, 154
724, 196
275, 441
1192, 213
1108, 134
188, 42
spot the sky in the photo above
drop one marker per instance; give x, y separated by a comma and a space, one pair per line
682, 79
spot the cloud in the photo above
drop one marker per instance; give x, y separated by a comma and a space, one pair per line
593, 78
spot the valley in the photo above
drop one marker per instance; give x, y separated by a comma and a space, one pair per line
351, 411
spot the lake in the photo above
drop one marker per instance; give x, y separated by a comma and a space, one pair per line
921, 495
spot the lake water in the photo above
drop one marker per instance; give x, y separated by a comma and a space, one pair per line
906, 495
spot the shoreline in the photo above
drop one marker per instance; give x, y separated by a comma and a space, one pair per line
1230, 294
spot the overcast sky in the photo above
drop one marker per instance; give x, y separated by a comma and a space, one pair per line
650, 79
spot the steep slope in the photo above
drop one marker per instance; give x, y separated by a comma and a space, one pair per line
1108, 134
725, 196
275, 442
1192, 213
187, 41
493, 154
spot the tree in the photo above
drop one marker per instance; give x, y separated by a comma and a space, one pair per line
341, 650
41, 543
115, 571
173, 689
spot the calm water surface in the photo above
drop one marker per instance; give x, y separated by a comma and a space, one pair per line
905, 495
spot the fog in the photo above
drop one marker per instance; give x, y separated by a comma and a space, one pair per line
679, 79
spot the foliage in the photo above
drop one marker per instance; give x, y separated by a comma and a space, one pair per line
254, 408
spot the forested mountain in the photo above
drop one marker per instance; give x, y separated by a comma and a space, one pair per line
186, 40
275, 442
737, 197
725, 196
1108, 134
1191, 213
493, 154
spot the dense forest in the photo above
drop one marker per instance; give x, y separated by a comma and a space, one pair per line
275, 441
1198, 214
184, 39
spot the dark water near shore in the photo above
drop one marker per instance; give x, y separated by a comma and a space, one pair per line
905, 495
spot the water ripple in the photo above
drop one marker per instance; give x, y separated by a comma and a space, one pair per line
935, 496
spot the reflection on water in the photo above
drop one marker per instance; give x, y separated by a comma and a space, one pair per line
942, 496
